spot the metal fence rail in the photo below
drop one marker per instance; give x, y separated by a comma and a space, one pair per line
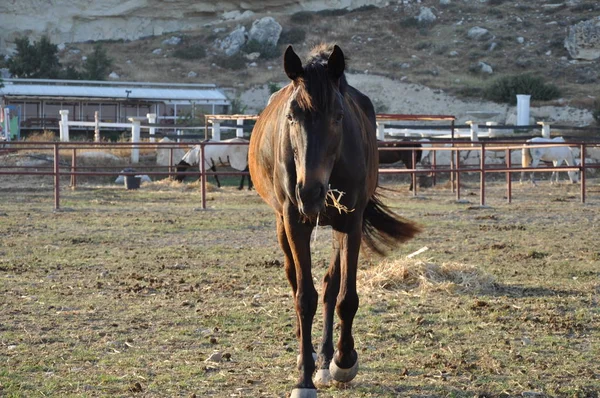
60, 168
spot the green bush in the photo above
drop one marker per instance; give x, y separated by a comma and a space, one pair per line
505, 89
292, 36
194, 51
266, 50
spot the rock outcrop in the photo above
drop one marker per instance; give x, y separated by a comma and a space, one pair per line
583, 40
65, 21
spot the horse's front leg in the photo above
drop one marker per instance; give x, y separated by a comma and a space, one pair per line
290, 270
305, 298
331, 287
344, 365
214, 170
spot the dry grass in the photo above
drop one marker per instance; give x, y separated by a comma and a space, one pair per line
423, 277
166, 185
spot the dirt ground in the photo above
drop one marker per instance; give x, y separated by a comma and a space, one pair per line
142, 293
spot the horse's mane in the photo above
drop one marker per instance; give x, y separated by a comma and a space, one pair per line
315, 97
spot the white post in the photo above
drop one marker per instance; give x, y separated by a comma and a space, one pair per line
135, 137
152, 120
491, 130
239, 131
216, 131
64, 125
96, 127
474, 130
523, 109
6, 124
380, 131
545, 129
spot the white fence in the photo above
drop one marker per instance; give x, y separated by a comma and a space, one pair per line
136, 126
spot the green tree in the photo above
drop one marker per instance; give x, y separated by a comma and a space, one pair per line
38, 60
97, 65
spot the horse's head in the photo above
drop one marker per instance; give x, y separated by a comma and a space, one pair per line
314, 113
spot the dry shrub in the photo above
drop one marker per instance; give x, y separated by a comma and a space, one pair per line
45, 136
422, 276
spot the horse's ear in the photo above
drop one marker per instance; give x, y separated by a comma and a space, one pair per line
336, 63
292, 64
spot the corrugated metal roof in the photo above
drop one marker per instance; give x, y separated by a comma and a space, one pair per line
146, 91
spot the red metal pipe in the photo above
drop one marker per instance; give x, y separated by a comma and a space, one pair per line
202, 176
56, 178
482, 175
508, 176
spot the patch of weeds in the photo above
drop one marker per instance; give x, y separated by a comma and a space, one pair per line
235, 62
369, 7
292, 36
194, 51
534, 254
423, 45
302, 17
584, 7
333, 12
409, 23
266, 50
596, 111
273, 87
496, 13
380, 106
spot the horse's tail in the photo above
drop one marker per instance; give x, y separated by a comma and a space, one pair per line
383, 229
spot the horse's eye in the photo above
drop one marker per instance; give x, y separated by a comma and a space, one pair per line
289, 117
339, 117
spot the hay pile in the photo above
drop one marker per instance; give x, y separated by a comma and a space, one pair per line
422, 277
167, 184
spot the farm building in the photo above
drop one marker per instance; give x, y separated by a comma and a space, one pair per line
37, 102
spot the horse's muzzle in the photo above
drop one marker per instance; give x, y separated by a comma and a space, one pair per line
311, 198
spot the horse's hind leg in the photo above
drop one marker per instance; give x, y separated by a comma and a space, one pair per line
331, 287
344, 365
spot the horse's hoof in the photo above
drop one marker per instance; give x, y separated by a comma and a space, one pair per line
304, 393
343, 375
299, 360
323, 378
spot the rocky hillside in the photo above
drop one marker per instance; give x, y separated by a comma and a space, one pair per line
453, 46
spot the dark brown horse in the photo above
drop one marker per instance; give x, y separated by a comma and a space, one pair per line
313, 158
401, 155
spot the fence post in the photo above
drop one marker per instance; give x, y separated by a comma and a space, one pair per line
135, 137
64, 125
239, 131
96, 127
491, 130
152, 120
380, 131
216, 131
6, 117
545, 129
474, 130
56, 177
